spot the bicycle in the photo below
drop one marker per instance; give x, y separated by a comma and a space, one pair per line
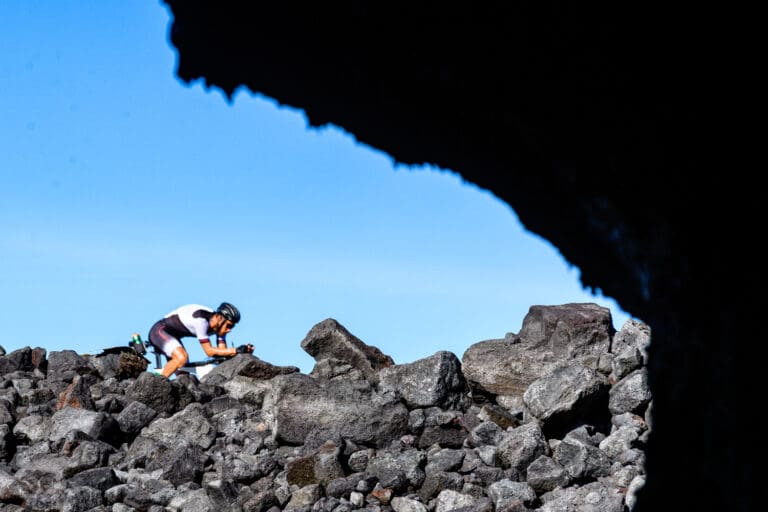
197, 368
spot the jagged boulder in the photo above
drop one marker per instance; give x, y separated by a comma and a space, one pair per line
96, 425
190, 425
521, 446
297, 406
630, 394
567, 396
331, 340
77, 395
598, 496
633, 334
569, 331
163, 395
65, 365
434, 381
24, 360
245, 365
550, 335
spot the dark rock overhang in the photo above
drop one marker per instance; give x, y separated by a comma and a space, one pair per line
596, 123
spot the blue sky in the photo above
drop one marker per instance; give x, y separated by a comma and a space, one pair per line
125, 193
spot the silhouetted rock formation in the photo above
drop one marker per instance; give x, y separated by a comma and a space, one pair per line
610, 128
77, 434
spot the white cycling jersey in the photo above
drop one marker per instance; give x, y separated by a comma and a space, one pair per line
190, 320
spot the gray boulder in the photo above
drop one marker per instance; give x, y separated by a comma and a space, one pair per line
331, 340
432, 381
633, 334
64, 365
569, 331
506, 493
389, 464
550, 336
135, 417
582, 460
245, 365
546, 474
24, 360
94, 424
297, 406
521, 446
567, 396
163, 395
592, 497
631, 394
188, 426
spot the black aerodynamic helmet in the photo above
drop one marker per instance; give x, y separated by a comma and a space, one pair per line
229, 312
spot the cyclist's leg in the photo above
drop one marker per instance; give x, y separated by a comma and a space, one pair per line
177, 360
170, 346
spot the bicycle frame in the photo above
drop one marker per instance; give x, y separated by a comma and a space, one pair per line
210, 362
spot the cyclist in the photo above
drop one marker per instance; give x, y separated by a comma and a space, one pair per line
200, 322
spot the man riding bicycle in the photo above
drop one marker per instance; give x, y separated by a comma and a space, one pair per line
200, 322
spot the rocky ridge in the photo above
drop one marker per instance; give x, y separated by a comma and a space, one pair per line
553, 419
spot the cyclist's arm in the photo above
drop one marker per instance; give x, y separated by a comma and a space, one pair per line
212, 351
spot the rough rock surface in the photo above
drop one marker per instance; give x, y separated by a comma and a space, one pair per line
254, 437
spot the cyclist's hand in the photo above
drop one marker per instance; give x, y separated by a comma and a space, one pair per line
245, 349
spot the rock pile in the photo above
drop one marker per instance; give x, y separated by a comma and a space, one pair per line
552, 419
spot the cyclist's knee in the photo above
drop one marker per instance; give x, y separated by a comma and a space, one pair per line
180, 356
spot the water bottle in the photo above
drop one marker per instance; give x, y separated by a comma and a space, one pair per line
137, 344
